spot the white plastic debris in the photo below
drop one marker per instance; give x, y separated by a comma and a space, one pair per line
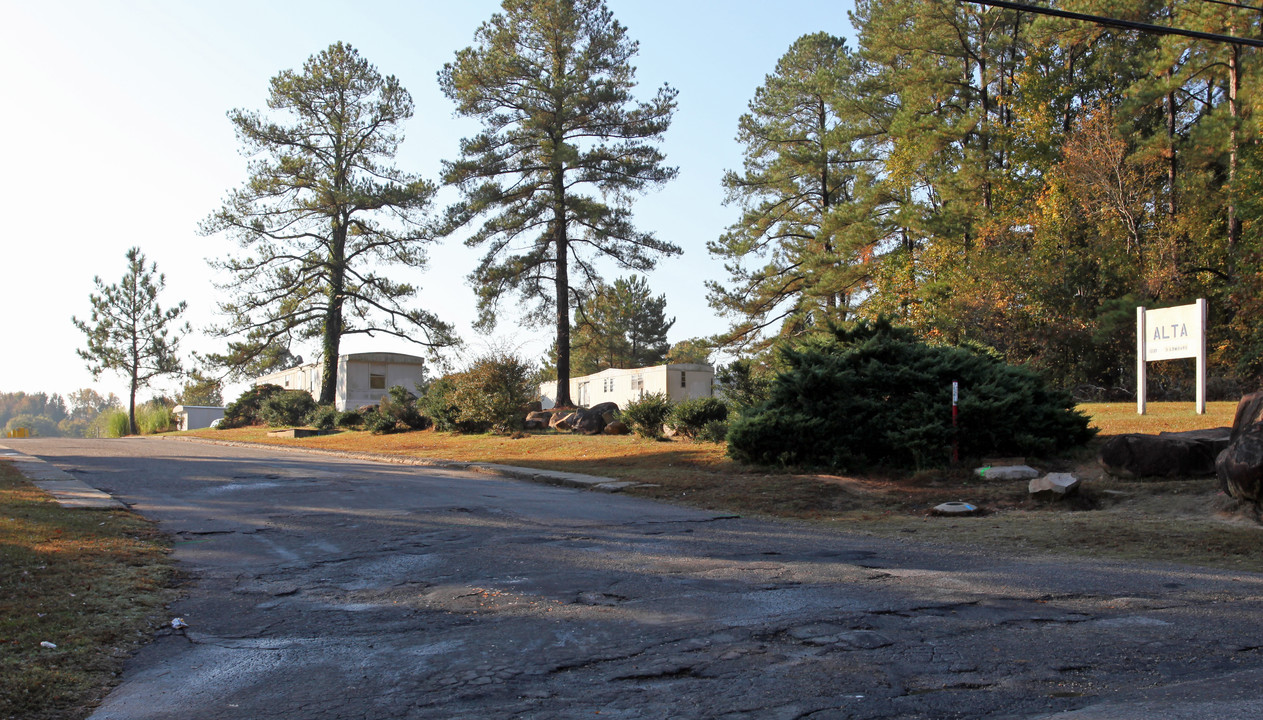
48, 645
178, 623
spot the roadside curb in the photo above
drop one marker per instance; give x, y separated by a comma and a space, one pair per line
547, 477
68, 491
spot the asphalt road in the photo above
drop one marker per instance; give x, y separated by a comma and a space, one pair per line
333, 588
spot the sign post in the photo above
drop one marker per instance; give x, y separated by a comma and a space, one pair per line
955, 431
1167, 334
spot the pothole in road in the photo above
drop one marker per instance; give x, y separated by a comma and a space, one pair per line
599, 598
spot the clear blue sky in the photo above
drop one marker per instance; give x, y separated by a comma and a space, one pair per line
115, 135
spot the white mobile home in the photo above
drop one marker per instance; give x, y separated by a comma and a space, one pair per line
363, 378
621, 386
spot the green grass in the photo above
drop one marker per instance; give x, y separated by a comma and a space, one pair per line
91, 582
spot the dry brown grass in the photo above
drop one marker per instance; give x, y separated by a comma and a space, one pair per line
1119, 418
89, 582
1180, 520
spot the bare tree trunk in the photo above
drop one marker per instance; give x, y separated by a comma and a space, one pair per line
1234, 109
332, 337
563, 289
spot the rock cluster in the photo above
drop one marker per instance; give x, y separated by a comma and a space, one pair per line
598, 419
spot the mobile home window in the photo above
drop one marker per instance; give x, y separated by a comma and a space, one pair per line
377, 377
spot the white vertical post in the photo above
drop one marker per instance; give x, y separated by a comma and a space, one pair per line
1201, 357
1141, 377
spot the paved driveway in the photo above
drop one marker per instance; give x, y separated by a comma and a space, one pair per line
332, 588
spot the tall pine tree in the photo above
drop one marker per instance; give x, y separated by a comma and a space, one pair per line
322, 212
796, 257
564, 147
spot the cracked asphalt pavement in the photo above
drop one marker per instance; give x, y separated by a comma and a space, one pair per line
334, 588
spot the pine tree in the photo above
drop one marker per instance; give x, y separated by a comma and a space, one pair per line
796, 256
322, 210
129, 332
564, 146
621, 326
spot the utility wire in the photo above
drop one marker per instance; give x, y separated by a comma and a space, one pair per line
1120, 23
1237, 5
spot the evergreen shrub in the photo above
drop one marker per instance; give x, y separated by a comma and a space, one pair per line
378, 423
689, 417
323, 417
647, 415
287, 408
715, 431
493, 394
439, 404
877, 395
743, 384
245, 409
401, 405
36, 425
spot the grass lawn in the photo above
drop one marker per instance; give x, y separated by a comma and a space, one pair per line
91, 582
1118, 418
1181, 520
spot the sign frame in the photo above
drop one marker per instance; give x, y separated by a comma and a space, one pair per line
1168, 334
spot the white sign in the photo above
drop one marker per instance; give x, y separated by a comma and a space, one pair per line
1168, 334
1173, 332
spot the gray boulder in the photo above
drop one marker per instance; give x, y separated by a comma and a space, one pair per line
537, 420
1249, 412
591, 421
1168, 454
563, 420
1240, 465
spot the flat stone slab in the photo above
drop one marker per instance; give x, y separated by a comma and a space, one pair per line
1054, 486
298, 433
1007, 472
955, 508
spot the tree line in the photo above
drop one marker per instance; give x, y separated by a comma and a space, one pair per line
1003, 178
52, 415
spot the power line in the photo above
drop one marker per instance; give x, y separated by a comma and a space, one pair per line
1120, 23
1237, 5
